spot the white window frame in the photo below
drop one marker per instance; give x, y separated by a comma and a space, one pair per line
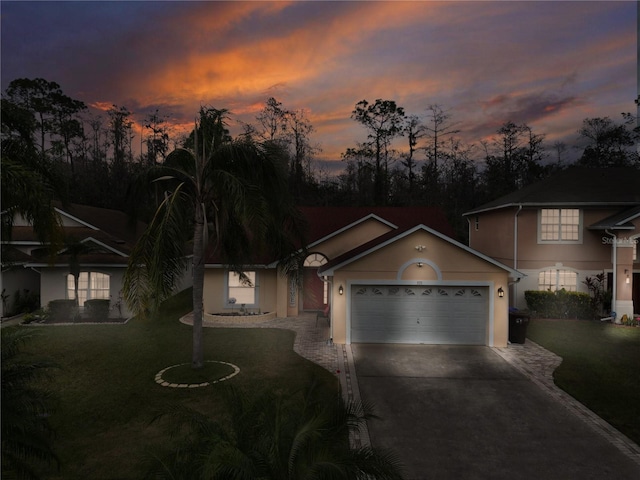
88, 282
231, 284
559, 239
557, 275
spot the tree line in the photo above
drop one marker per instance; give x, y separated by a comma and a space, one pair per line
402, 158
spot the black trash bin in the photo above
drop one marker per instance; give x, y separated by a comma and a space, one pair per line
518, 322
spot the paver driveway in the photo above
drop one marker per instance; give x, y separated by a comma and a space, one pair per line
455, 412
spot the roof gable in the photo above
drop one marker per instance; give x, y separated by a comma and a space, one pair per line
392, 237
352, 226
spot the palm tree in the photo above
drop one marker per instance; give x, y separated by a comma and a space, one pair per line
222, 196
29, 183
26, 434
272, 436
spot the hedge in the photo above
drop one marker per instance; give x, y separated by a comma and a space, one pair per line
559, 304
97, 308
62, 310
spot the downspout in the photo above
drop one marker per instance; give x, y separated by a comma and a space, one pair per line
515, 254
615, 272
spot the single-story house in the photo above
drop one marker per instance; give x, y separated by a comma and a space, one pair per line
386, 274
100, 240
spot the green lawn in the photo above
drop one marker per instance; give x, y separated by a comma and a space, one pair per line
107, 393
600, 367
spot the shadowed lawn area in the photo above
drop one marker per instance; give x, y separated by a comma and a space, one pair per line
600, 367
108, 395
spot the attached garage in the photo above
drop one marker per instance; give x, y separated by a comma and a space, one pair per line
418, 286
419, 314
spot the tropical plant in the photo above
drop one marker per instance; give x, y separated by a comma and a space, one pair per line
278, 436
26, 433
220, 196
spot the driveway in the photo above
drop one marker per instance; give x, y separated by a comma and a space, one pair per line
456, 412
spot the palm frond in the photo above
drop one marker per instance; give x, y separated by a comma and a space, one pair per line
158, 257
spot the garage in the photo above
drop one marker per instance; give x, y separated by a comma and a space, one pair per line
419, 314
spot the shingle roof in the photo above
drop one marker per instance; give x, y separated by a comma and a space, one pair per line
110, 231
575, 186
619, 221
325, 221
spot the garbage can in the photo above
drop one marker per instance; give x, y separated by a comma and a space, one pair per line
518, 322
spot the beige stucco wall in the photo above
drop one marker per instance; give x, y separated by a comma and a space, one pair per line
589, 257
274, 287
215, 286
397, 262
349, 239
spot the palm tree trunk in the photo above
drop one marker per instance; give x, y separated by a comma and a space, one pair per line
197, 360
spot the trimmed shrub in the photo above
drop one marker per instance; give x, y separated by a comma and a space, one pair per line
62, 310
559, 304
97, 309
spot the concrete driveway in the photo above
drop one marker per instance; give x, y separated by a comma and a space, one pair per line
455, 412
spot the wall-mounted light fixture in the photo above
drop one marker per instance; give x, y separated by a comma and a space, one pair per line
500, 292
420, 247
626, 272
340, 290
420, 264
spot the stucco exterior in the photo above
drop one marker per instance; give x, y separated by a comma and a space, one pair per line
373, 250
443, 263
509, 230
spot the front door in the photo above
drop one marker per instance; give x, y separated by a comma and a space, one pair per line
313, 290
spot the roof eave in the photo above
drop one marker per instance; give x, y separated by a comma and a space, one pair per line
331, 271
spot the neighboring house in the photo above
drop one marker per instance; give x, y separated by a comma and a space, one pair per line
106, 238
387, 275
576, 224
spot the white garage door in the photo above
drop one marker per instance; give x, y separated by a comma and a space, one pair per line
419, 314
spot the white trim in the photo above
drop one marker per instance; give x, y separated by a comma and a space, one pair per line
256, 291
490, 341
560, 241
413, 261
512, 272
350, 226
97, 242
75, 219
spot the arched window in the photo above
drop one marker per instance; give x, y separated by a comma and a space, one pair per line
90, 285
555, 279
315, 260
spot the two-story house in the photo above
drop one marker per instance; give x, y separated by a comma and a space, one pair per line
577, 223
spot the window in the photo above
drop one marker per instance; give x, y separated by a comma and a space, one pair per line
554, 279
90, 285
559, 224
242, 287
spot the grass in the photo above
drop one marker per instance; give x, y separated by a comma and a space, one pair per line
107, 394
600, 367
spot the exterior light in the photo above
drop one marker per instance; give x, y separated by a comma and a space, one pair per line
500, 292
340, 290
419, 264
420, 247
627, 274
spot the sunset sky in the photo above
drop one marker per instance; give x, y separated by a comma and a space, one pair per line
548, 64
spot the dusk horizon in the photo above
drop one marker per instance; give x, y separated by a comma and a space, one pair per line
549, 65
